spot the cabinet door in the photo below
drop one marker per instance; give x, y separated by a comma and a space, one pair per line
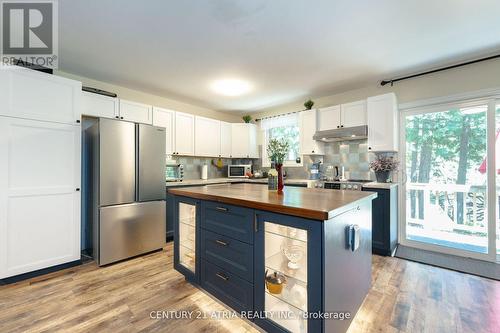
99, 105
136, 112
166, 119
382, 123
240, 139
186, 234
329, 118
39, 195
184, 134
353, 114
291, 247
225, 139
308, 126
207, 137
30, 94
253, 151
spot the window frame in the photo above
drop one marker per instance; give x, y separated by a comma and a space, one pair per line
266, 163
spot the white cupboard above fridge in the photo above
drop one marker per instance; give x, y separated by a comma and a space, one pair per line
244, 141
96, 105
166, 119
136, 112
207, 136
383, 123
308, 123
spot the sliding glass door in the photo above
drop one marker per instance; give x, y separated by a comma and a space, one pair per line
447, 187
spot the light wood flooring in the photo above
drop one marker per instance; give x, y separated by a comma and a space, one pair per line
405, 297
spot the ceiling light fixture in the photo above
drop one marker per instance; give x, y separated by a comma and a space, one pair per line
231, 87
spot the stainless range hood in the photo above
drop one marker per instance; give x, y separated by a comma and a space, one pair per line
342, 134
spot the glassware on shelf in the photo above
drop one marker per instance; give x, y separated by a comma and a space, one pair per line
293, 253
275, 282
187, 235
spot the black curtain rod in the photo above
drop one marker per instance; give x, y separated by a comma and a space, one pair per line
384, 82
279, 115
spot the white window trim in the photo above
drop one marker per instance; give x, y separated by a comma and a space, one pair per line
266, 163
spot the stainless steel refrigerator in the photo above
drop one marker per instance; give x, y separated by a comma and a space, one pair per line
126, 197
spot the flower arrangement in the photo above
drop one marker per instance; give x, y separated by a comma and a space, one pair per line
277, 150
384, 164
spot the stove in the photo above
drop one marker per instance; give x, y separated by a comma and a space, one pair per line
349, 185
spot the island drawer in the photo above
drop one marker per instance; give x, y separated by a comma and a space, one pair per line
227, 287
235, 256
235, 222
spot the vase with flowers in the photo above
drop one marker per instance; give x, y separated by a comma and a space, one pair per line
276, 151
383, 167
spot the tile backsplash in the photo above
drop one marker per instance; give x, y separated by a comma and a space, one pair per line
193, 165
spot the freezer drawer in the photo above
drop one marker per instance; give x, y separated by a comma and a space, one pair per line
129, 230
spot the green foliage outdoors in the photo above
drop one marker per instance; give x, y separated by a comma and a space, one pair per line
291, 135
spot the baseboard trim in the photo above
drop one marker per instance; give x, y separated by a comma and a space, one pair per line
472, 266
43, 271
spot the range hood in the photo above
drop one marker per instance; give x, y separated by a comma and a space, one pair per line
342, 134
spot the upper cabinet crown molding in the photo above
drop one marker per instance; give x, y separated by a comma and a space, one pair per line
383, 123
29, 94
136, 112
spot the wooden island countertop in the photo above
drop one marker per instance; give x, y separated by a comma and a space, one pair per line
310, 203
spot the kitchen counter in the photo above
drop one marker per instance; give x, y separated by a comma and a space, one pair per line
308, 203
193, 182
387, 186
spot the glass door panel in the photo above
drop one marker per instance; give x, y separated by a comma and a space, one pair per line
497, 179
187, 235
446, 185
285, 255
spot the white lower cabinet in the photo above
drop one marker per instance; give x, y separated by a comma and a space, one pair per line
207, 137
39, 195
244, 141
96, 105
136, 112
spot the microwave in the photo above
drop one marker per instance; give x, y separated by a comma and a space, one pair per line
239, 171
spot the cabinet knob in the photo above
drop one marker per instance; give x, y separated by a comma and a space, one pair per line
78, 121
77, 189
341, 125
121, 117
338, 126
369, 148
313, 151
117, 117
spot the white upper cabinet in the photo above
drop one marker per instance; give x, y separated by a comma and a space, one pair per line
30, 94
96, 105
308, 126
136, 112
328, 118
166, 119
382, 123
353, 114
184, 134
207, 137
244, 141
225, 139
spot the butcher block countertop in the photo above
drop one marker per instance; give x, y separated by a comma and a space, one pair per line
310, 203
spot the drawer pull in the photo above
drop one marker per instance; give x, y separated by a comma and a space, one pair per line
220, 242
222, 276
222, 209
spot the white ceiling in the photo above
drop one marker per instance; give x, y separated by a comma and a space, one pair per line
288, 50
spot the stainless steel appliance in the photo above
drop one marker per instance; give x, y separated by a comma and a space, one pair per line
350, 185
174, 172
342, 133
239, 171
126, 178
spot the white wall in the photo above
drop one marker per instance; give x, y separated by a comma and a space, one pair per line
143, 97
464, 79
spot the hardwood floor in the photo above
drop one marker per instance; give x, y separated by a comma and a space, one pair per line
405, 297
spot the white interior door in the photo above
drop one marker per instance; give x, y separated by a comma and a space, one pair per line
39, 200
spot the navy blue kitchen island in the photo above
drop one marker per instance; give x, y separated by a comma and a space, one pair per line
295, 262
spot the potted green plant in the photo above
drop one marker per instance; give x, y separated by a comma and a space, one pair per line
309, 104
247, 119
383, 167
277, 150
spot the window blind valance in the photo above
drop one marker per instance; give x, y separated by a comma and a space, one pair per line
291, 119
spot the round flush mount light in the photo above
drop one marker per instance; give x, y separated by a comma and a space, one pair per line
231, 87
